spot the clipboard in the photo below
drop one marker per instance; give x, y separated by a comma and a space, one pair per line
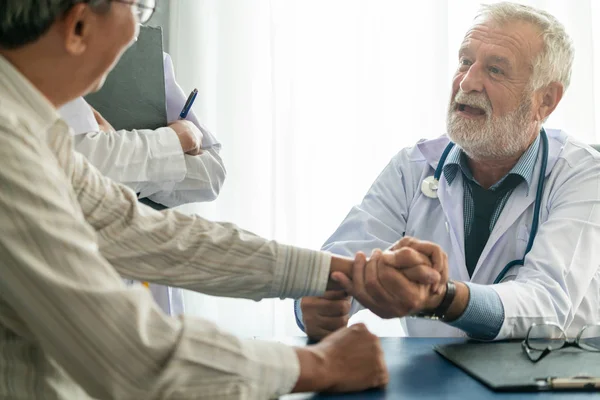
504, 367
133, 95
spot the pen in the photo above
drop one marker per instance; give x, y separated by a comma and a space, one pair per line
576, 382
188, 104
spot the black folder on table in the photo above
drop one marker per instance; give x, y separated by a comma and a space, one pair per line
504, 366
133, 96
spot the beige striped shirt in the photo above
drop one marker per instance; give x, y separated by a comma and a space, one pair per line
70, 329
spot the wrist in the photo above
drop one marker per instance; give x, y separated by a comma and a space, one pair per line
184, 141
459, 305
314, 376
434, 302
339, 264
439, 304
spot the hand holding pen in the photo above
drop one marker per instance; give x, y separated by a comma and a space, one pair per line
190, 137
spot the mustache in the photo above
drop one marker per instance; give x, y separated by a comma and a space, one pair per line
478, 100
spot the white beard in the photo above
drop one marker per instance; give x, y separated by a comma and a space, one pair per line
495, 137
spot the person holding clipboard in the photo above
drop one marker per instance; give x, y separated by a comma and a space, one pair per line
167, 167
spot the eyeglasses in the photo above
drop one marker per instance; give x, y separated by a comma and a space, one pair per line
144, 9
546, 337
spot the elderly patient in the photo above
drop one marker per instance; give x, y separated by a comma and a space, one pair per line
514, 66
69, 327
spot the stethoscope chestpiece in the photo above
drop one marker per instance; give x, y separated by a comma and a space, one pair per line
429, 187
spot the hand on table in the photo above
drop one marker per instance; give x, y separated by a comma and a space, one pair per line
348, 360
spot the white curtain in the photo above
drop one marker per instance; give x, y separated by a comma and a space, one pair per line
311, 98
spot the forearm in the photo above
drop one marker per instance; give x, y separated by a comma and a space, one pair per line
203, 181
460, 302
136, 156
339, 264
73, 308
535, 301
478, 311
190, 252
312, 376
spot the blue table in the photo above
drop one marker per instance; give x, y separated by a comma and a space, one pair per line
418, 372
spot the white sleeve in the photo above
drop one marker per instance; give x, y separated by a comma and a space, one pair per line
79, 116
135, 157
205, 173
204, 179
130, 157
562, 264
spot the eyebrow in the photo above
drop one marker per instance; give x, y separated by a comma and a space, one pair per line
500, 60
505, 62
464, 50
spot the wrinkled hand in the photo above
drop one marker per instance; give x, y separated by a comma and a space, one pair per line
351, 359
393, 283
326, 314
189, 136
104, 125
438, 257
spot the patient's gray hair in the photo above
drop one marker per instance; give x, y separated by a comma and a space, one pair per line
24, 21
555, 61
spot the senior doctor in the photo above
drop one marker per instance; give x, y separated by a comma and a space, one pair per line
516, 208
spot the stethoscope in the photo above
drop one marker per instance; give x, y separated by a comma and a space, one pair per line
430, 186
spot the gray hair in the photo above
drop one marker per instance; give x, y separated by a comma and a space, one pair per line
555, 61
25, 21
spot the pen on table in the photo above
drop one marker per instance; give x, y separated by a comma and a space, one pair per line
188, 104
576, 382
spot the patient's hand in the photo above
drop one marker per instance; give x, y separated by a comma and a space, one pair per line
104, 125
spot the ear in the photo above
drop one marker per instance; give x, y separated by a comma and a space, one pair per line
550, 97
76, 28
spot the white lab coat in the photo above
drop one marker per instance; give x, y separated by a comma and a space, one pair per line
151, 162
560, 281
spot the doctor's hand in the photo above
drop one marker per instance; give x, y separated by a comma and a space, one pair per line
326, 314
438, 257
393, 283
189, 136
104, 125
349, 360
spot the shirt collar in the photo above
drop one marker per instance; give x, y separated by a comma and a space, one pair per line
457, 160
35, 109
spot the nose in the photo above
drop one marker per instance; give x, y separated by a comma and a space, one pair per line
472, 80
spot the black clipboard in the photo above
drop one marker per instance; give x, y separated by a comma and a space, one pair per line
504, 367
133, 96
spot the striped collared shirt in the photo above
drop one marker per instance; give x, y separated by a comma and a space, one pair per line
69, 327
457, 161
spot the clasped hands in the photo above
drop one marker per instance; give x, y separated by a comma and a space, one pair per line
404, 280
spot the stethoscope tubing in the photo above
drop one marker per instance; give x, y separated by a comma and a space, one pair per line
430, 191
